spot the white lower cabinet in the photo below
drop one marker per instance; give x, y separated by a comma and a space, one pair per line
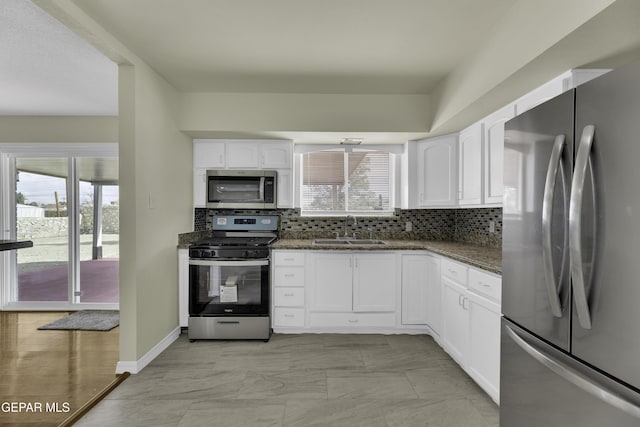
183, 287
350, 289
471, 323
483, 359
288, 289
455, 320
421, 291
393, 292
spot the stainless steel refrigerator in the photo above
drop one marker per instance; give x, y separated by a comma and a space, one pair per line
570, 349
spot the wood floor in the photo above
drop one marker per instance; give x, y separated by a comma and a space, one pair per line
48, 375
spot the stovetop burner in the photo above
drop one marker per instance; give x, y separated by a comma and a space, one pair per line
237, 237
236, 241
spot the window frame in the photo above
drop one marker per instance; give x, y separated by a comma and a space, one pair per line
394, 179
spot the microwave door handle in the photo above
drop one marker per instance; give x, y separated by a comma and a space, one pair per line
575, 226
262, 188
547, 214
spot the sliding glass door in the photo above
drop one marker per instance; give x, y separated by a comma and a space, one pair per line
42, 216
98, 231
68, 206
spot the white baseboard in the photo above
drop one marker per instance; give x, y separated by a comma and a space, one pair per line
136, 366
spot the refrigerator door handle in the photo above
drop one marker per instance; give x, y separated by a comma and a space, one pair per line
547, 213
575, 226
575, 377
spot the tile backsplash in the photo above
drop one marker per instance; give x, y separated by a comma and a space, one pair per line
464, 225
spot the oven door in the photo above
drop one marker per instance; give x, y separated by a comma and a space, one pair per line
228, 287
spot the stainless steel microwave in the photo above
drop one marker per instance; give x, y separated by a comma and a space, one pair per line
241, 189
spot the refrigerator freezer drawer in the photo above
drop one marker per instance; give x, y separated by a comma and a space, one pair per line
541, 386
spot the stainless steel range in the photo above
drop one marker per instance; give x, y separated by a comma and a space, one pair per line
229, 279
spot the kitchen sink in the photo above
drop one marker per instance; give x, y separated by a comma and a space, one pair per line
330, 242
348, 242
368, 242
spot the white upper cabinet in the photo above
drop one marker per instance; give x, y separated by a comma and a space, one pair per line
493, 135
470, 166
436, 162
243, 155
285, 188
275, 155
208, 154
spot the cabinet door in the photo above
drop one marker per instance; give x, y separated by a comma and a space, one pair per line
455, 320
470, 166
208, 154
434, 295
415, 290
484, 345
183, 287
275, 155
285, 188
374, 282
242, 154
494, 153
330, 281
199, 187
437, 177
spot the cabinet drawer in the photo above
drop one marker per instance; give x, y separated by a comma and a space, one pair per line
288, 317
352, 320
288, 276
288, 258
455, 271
485, 284
288, 297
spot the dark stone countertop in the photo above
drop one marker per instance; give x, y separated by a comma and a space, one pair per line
7, 245
484, 257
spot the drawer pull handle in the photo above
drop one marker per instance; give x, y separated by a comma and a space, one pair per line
484, 285
288, 295
452, 271
289, 275
353, 320
288, 259
289, 315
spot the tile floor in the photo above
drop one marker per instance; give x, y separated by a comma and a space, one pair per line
299, 380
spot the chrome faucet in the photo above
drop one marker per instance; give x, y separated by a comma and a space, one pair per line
346, 224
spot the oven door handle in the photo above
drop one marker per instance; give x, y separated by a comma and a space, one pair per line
247, 263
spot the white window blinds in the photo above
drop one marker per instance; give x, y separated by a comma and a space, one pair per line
339, 182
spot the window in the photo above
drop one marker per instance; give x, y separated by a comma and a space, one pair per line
346, 181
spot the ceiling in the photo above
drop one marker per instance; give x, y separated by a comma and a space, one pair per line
284, 46
467, 57
46, 69
293, 46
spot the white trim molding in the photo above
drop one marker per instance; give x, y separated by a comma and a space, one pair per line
135, 366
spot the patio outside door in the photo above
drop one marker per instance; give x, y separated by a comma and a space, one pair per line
69, 208
42, 216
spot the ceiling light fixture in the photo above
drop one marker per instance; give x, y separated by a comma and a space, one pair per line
351, 141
